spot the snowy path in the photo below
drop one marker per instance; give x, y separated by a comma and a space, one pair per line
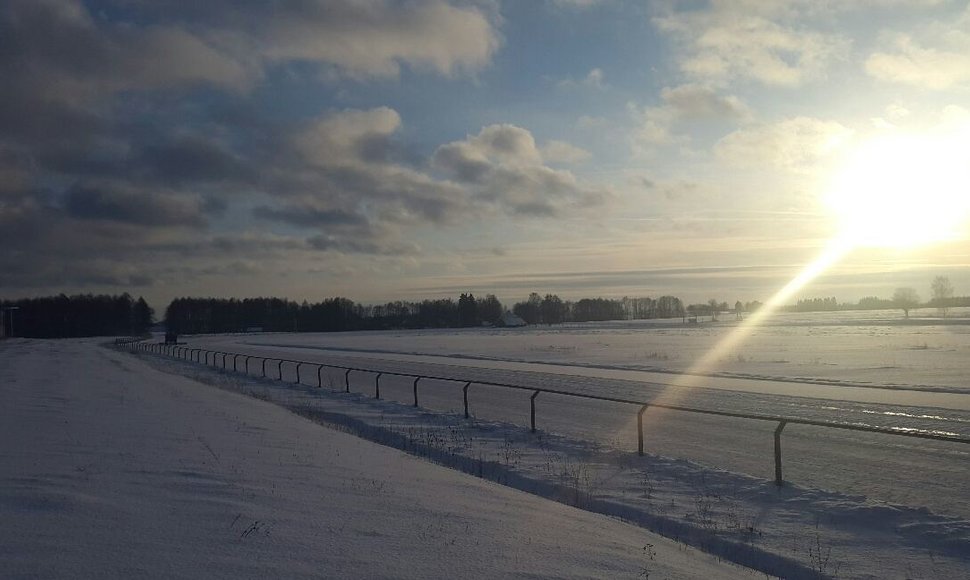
109, 468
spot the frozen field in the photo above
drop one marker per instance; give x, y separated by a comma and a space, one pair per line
888, 506
112, 469
863, 347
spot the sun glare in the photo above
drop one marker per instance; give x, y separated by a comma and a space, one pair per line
903, 191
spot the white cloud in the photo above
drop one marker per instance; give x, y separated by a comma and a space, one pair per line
594, 79
341, 138
914, 64
653, 126
504, 144
562, 152
745, 39
796, 144
684, 104
932, 52
692, 101
502, 167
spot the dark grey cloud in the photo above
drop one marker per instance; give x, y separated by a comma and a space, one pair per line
310, 216
113, 203
58, 50
355, 246
253, 244
71, 276
192, 159
45, 247
464, 165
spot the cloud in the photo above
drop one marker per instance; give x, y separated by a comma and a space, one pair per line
502, 167
678, 190
684, 105
55, 48
594, 79
135, 135
342, 178
59, 50
373, 37
563, 153
698, 102
249, 244
132, 206
354, 246
796, 143
346, 164
191, 159
347, 138
47, 246
936, 68
577, 3
728, 40
306, 216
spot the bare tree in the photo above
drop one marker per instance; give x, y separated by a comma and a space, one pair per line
906, 299
942, 293
715, 307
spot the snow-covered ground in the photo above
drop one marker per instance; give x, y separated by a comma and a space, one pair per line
879, 506
112, 469
849, 462
865, 347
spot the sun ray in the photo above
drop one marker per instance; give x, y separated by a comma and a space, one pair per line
833, 253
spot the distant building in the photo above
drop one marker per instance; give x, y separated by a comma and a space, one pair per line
509, 319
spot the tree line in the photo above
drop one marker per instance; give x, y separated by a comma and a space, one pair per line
550, 309
905, 299
104, 315
208, 315
76, 316
214, 315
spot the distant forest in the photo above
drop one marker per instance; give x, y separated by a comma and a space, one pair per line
104, 315
75, 316
204, 315
215, 315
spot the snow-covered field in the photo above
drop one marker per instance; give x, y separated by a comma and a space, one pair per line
110, 468
877, 505
120, 465
864, 347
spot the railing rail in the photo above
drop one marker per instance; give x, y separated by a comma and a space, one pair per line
642, 406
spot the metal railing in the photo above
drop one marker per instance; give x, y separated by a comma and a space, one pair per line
201, 356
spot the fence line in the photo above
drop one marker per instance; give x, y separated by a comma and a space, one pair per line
200, 354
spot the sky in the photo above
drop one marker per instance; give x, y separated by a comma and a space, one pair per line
389, 149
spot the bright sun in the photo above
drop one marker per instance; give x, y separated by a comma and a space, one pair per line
903, 191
